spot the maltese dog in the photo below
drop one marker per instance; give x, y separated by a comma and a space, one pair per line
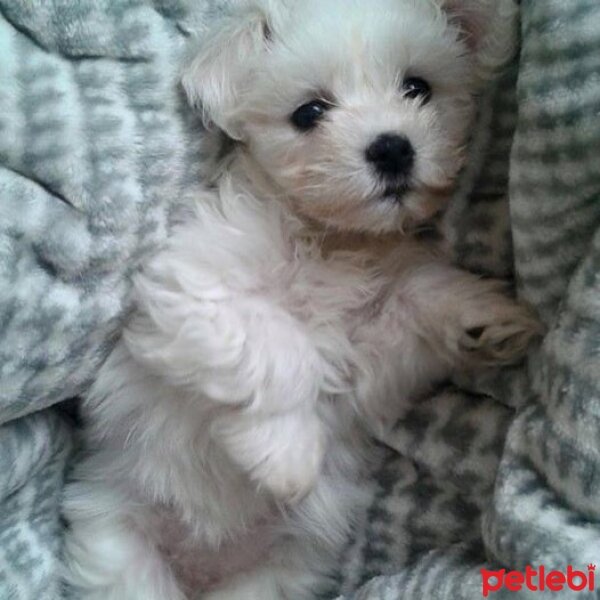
298, 307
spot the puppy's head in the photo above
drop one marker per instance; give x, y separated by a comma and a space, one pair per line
357, 111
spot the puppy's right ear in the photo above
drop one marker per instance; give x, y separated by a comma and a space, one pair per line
222, 64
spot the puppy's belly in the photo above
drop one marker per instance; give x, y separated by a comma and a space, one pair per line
200, 567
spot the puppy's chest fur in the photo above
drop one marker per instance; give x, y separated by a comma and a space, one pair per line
334, 282
349, 293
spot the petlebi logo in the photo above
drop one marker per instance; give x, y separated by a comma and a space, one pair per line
538, 580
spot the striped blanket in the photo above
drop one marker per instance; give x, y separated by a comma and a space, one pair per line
96, 144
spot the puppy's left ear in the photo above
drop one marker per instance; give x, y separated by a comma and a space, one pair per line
488, 27
222, 63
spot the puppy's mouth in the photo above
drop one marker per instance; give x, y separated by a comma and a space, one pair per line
396, 192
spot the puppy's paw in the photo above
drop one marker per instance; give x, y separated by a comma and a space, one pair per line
282, 454
494, 330
290, 472
501, 341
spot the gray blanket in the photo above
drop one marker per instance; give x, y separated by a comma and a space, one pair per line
95, 147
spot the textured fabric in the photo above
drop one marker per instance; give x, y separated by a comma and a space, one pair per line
92, 152
95, 147
33, 452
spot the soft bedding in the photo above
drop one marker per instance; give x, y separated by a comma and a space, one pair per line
96, 147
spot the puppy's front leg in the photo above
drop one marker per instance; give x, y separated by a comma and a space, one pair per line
472, 322
435, 320
250, 366
275, 435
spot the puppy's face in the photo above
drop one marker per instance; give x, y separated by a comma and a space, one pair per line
356, 110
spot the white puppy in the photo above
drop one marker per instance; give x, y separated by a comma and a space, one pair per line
296, 309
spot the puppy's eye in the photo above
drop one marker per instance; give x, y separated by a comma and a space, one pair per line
308, 115
415, 87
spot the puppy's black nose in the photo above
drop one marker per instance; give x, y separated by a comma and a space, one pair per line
392, 155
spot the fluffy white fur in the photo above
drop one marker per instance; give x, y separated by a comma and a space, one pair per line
293, 312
